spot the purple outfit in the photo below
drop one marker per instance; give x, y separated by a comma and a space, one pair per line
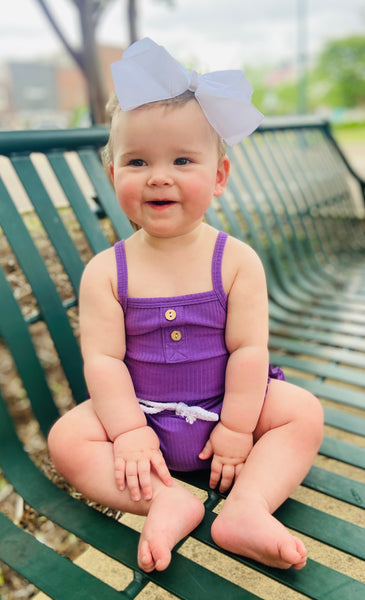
176, 353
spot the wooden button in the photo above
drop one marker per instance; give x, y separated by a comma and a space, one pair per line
176, 335
170, 314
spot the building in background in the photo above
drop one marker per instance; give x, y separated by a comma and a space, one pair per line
48, 95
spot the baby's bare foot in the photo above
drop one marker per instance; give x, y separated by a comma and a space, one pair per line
174, 513
251, 531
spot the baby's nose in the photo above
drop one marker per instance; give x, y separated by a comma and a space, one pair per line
160, 177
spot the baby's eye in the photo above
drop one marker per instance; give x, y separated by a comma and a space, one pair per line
136, 162
182, 160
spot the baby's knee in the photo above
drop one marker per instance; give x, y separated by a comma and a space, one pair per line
310, 414
61, 445
55, 438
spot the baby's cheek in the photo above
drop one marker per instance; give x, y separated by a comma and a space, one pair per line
128, 194
202, 194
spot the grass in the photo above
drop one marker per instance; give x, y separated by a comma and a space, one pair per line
353, 133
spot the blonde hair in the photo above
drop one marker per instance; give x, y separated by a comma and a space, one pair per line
113, 109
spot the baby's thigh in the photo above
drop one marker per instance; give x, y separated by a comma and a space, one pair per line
78, 426
286, 403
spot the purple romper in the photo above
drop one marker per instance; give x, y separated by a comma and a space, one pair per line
177, 357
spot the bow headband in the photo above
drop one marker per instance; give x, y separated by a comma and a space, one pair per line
148, 73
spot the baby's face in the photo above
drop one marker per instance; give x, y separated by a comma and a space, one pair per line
166, 167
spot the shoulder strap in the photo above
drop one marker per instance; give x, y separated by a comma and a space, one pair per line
217, 267
122, 273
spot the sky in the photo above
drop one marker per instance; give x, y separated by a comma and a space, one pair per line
204, 34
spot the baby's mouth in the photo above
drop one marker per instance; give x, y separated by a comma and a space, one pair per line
160, 202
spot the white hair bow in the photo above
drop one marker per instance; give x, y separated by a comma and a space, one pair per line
147, 73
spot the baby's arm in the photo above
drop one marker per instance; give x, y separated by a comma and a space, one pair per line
135, 445
246, 375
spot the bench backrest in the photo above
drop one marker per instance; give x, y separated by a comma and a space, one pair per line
289, 195
293, 196
47, 248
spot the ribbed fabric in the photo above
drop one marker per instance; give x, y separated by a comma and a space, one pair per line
176, 352
190, 369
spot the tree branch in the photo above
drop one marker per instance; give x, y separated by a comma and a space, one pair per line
75, 55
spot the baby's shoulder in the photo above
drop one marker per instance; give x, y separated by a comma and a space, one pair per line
240, 263
240, 254
101, 265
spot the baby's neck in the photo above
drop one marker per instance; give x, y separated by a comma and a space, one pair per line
170, 266
176, 243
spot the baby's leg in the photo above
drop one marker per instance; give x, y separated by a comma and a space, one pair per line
83, 454
287, 438
173, 513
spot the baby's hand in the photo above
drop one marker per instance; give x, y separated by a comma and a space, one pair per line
135, 452
230, 450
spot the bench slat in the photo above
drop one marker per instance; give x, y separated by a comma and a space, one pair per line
45, 293
274, 172
323, 527
343, 451
292, 198
335, 393
300, 346
324, 326
52, 573
14, 330
105, 193
50, 218
332, 371
87, 218
337, 486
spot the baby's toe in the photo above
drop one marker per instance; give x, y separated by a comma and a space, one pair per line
145, 558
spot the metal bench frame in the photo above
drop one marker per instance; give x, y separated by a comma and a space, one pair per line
289, 196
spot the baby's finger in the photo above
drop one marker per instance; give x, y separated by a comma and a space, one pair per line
227, 477
207, 451
215, 473
238, 469
144, 476
132, 480
161, 469
119, 470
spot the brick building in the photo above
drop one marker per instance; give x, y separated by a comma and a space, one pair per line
39, 94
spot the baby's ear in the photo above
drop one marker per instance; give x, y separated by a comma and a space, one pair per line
222, 175
111, 173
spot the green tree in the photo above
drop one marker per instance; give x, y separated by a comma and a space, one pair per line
279, 99
339, 76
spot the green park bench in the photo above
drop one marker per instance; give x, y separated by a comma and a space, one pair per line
294, 197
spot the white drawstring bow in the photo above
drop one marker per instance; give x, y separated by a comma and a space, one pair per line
189, 413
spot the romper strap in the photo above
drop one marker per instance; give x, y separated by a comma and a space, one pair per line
122, 273
217, 267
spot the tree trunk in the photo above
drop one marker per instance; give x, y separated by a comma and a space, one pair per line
91, 66
132, 20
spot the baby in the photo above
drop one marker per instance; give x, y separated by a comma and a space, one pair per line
174, 333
